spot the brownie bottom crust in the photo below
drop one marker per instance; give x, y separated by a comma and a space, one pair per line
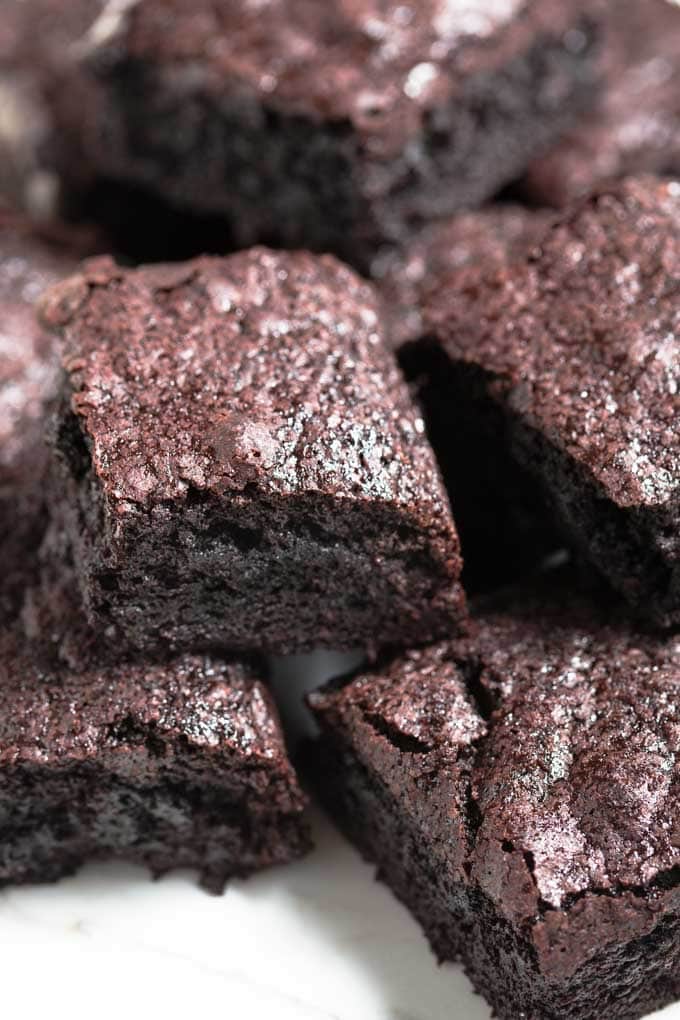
621, 981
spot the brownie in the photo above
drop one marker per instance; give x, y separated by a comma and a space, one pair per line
520, 793
634, 127
175, 763
28, 380
239, 461
574, 354
337, 126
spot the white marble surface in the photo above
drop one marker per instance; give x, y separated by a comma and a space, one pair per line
318, 940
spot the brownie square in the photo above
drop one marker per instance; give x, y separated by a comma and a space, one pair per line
28, 380
634, 126
170, 764
574, 352
240, 464
336, 126
520, 793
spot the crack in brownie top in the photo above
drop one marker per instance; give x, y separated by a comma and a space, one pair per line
377, 64
582, 340
581, 775
262, 369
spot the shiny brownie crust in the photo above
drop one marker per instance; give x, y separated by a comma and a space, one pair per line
634, 126
170, 764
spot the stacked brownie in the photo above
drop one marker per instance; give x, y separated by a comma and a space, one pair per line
205, 463
205, 501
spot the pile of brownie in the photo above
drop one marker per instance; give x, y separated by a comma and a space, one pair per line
207, 461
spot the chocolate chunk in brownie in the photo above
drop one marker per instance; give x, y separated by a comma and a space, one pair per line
500, 537
167, 764
520, 793
240, 462
634, 127
576, 353
28, 377
336, 126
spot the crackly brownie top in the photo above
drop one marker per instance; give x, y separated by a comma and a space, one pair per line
59, 714
27, 369
419, 702
488, 237
582, 341
581, 774
414, 723
635, 126
569, 724
375, 63
262, 369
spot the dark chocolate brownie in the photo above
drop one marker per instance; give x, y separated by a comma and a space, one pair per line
28, 376
520, 793
241, 464
501, 537
635, 126
336, 126
168, 764
576, 355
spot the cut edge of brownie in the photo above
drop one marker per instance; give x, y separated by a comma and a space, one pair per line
466, 928
501, 512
